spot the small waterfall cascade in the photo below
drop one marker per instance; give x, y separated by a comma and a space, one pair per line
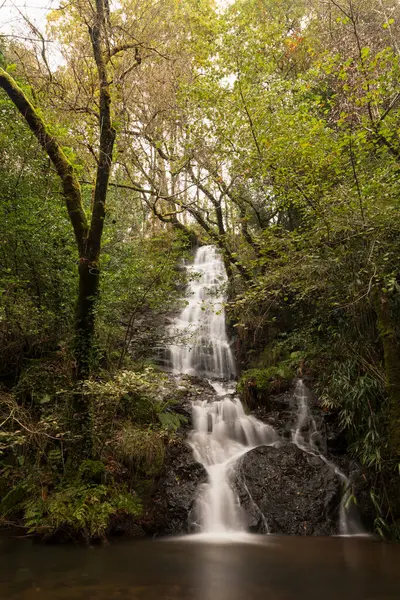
306, 434
202, 346
222, 432
309, 439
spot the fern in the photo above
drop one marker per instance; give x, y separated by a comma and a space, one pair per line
171, 421
83, 509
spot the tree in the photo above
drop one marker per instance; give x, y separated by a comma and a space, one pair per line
87, 236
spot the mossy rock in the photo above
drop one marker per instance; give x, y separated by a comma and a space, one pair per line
257, 384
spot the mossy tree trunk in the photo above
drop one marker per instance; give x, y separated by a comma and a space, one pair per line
387, 332
87, 235
89, 267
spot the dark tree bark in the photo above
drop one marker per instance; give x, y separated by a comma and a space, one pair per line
89, 265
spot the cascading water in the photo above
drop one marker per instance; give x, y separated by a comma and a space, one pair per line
307, 437
222, 432
203, 346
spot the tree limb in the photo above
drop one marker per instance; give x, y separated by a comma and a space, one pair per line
65, 170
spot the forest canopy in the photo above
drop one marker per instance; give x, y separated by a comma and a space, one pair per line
133, 131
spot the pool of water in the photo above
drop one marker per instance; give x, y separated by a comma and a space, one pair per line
273, 568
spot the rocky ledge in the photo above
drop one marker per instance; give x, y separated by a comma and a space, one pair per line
173, 500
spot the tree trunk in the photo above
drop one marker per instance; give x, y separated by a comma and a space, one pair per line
387, 332
65, 170
89, 279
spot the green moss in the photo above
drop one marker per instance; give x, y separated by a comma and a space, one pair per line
267, 380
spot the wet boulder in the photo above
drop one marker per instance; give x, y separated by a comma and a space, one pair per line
172, 503
284, 490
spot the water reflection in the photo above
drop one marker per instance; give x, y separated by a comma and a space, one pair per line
278, 569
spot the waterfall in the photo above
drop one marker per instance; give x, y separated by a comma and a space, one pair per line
307, 437
222, 432
202, 346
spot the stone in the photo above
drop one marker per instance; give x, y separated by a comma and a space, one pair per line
284, 490
171, 506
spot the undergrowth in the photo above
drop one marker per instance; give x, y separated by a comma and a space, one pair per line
349, 382
50, 494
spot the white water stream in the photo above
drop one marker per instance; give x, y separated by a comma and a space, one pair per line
202, 346
222, 431
307, 437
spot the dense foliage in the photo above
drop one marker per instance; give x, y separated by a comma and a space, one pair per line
269, 128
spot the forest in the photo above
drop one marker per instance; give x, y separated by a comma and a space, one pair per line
133, 132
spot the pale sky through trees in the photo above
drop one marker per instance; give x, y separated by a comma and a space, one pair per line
11, 19
12, 22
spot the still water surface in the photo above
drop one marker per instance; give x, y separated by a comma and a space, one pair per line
276, 568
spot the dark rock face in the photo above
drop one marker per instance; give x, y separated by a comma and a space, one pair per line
170, 506
176, 492
281, 412
124, 526
285, 490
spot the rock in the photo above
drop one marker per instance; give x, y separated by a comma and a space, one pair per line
182, 409
170, 507
289, 491
124, 525
279, 420
363, 514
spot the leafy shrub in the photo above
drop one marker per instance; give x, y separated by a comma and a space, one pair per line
141, 450
361, 403
25, 434
142, 397
134, 394
42, 379
82, 509
79, 506
171, 421
131, 422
